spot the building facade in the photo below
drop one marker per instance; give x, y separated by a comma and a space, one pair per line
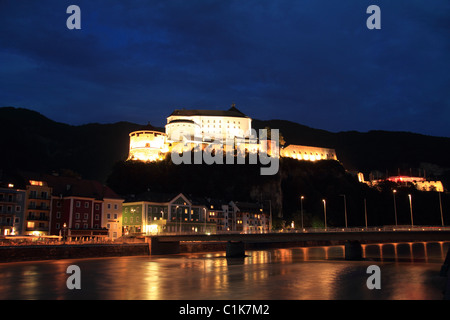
112, 217
12, 206
420, 183
153, 213
208, 125
37, 208
226, 130
308, 153
147, 145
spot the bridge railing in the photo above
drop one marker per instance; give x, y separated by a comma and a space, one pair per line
369, 229
316, 230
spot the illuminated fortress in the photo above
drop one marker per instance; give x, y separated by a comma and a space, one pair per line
186, 129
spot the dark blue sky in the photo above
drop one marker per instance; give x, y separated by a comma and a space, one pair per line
309, 61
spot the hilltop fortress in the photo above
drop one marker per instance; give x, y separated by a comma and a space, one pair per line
209, 129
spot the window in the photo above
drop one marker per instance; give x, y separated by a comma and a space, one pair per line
77, 226
77, 215
85, 226
97, 206
58, 204
86, 204
109, 205
57, 226
86, 216
78, 204
108, 216
17, 208
125, 220
97, 217
58, 215
115, 206
115, 215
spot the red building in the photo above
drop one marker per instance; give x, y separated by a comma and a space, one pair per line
77, 207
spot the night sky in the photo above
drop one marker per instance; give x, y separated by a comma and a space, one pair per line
313, 62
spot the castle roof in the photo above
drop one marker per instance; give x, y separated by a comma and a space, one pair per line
232, 112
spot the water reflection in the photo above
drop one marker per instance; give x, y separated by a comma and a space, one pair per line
409, 271
408, 251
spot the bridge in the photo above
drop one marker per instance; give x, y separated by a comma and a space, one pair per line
352, 239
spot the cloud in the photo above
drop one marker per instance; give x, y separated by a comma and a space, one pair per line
313, 62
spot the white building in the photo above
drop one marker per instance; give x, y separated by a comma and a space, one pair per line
208, 125
112, 217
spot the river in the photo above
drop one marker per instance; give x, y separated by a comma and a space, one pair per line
407, 271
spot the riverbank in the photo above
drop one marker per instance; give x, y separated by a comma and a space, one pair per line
70, 251
36, 252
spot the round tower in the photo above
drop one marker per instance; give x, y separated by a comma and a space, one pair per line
147, 144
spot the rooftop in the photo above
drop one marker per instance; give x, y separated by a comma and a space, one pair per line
232, 112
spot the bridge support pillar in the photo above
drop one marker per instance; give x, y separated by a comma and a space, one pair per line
157, 247
353, 250
235, 249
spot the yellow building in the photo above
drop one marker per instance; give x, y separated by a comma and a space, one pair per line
308, 153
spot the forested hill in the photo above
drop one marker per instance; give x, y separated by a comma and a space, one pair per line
30, 141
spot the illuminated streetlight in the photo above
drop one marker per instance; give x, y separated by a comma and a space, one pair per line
395, 206
325, 212
410, 209
345, 209
365, 211
301, 208
64, 226
204, 214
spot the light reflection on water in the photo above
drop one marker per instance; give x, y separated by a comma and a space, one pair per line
408, 271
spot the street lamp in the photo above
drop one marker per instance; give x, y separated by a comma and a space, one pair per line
345, 209
440, 206
410, 209
395, 206
365, 211
325, 212
176, 219
301, 208
204, 213
64, 226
